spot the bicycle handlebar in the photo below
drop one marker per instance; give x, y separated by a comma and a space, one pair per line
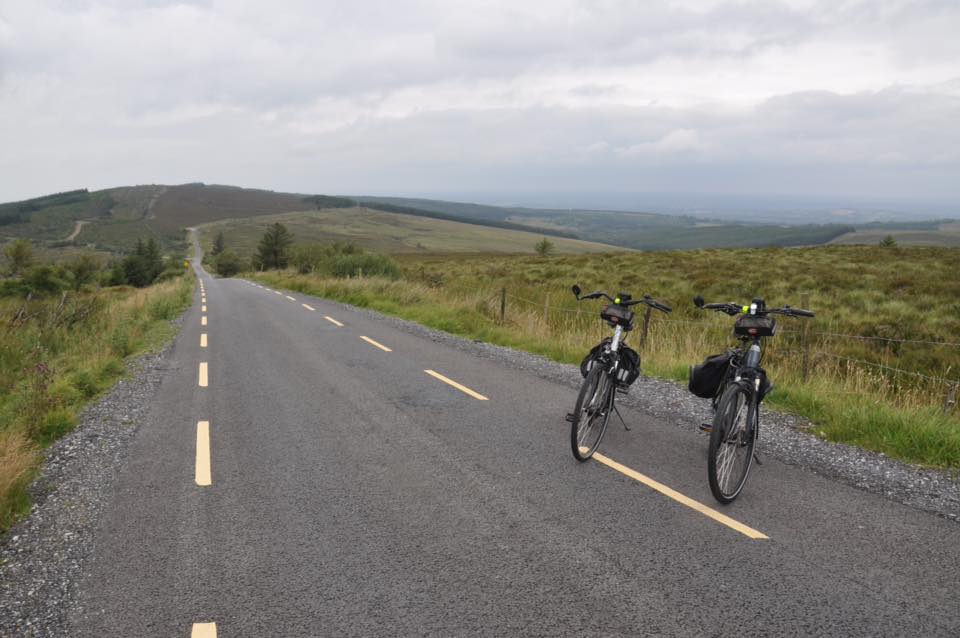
647, 300
733, 309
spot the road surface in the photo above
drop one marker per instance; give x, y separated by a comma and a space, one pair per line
310, 470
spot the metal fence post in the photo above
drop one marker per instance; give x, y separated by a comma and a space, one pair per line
804, 337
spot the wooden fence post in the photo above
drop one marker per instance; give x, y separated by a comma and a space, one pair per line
951, 401
646, 326
503, 304
804, 337
546, 309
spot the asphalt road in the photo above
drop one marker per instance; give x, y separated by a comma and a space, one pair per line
352, 493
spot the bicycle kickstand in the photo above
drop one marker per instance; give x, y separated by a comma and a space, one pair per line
756, 457
617, 410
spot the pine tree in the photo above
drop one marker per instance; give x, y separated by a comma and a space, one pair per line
544, 247
274, 248
218, 244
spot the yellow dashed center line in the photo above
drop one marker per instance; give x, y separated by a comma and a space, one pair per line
204, 630
203, 340
203, 374
203, 320
277, 292
289, 297
202, 472
462, 388
333, 321
311, 308
203, 308
723, 519
375, 344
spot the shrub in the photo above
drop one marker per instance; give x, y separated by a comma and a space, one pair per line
44, 280
366, 264
228, 264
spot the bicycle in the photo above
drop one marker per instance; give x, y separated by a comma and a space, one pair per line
736, 400
610, 366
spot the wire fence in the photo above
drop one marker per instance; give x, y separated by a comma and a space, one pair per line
806, 340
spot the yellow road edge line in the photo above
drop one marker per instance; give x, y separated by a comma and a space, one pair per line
462, 388
202, 471
203, 374
308, 307
374, 343
333, 321
203, 321
723, 519
203, 340
289, 297
204, 630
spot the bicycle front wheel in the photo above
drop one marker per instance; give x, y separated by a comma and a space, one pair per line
730, 455
591, 413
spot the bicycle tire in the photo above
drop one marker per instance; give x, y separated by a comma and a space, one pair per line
730, 440
594, 402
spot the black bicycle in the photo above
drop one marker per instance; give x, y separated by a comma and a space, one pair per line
738, 384
611, 366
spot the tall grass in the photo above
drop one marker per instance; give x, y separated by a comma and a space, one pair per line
58, 354
899, 293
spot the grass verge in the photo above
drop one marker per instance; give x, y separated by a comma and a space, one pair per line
57, 355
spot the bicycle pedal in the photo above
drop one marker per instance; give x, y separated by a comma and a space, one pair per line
622, 390
706, 427
570, 417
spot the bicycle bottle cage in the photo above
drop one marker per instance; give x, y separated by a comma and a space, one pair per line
616, 315
753, 326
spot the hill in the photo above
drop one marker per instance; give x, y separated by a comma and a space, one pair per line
113, 219
388, 232
640, 230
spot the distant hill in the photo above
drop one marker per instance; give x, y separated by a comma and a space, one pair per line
388, 232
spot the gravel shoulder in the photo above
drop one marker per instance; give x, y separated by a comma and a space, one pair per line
42, 559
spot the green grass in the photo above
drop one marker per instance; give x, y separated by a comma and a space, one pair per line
59, 360
901, 293
386, 232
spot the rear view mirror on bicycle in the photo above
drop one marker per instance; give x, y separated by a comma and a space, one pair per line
609, 367
736, 384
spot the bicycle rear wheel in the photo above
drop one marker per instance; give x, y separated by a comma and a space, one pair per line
594, 404
730, 455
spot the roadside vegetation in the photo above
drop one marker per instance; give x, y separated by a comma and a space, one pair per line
872, 305
66, 330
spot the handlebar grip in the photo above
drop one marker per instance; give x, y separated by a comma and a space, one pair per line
662, 307
799, 312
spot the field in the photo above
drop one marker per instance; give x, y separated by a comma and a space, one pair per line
386, 232
57, 354
947, 234
887, 298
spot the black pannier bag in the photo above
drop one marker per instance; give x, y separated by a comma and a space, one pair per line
588, 361
629, 369
705, 379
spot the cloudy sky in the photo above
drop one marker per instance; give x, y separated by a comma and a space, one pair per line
801, 97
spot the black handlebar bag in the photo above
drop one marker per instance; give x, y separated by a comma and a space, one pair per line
705, 379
